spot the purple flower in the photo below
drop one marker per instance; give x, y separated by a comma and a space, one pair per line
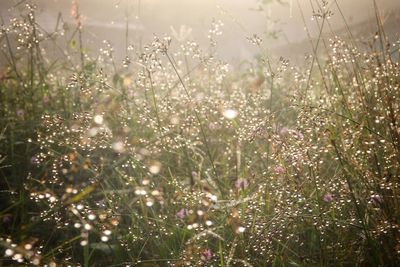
7, 218
182, 213
376, 199
20, 113
34, 160
283, 131
212, 126
206, 255
241, 183
194, 174
45, 100
328, 197
279, 170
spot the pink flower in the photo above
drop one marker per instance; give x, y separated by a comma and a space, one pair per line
20, 113
206, 255
241, 183
34, 160
182, 213
194, 174
212, 126
74, 9
75, 12
279, 170
45, 100
328, 197
283, 131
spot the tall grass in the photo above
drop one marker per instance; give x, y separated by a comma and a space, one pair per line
171, 158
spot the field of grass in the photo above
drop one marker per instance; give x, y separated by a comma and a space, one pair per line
173, 158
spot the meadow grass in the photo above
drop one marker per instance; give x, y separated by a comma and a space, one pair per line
171, 158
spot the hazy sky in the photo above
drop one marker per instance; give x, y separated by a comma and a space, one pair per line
148, 17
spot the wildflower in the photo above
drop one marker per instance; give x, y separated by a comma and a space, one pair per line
241, 183
206, 255
182, 213
376, 199
212, 126
74, 9
279, 170
20, 113
327, 197
34, 160
75, 12
194, 174
283, 131
7, 218
45, 100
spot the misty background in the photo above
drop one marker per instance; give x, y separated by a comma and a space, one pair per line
280, 24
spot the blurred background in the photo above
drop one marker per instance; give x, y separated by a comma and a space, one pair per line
279, 23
